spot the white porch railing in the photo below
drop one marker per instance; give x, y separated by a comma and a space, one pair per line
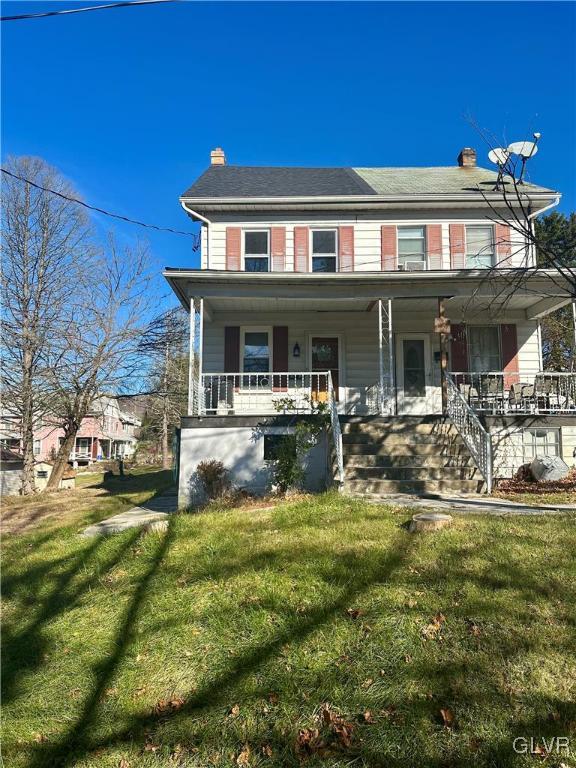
227, 394
468, 424
496, 392
336, 431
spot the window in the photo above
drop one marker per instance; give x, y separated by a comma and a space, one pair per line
256, 251
540, 442
273, 443
82, 446
479, 246
411, 247
323, 250
484, 348
37, 447
256, 351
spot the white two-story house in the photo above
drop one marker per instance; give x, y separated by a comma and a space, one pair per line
403, 298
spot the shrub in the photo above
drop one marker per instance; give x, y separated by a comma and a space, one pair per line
213, 476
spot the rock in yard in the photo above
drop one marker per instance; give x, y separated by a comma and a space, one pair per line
549, 468
429, 521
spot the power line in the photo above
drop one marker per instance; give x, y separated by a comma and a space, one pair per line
193, 235
124, 4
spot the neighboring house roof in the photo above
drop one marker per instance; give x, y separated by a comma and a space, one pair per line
233, 181
10, 457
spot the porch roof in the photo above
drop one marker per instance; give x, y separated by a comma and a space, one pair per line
512, 291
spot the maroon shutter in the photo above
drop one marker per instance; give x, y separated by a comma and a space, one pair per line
346, 249
389, 254
232, 349
503, 246
278, 250
301, 249
509, 341
434, 245
233, 248
458, 348
280, 357
457, 246
95, 448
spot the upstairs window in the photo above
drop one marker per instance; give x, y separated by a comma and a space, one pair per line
257, 251
484, 348
324, 250
411, 248
479, 246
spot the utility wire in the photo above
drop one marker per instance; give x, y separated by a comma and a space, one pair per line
194, 236
22, 16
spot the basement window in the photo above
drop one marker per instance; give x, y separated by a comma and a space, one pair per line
540, 442
257, 251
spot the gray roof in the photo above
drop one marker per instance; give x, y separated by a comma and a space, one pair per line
234, 181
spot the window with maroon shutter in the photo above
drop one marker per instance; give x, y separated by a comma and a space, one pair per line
280, 357
278, 236
233, 248
434, 245
389, 248
509, 341
480, 247
457, 247
301, 236
346, 249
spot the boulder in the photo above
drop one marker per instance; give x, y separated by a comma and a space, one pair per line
548, 468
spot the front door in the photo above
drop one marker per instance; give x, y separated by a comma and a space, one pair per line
414, 374
325, 358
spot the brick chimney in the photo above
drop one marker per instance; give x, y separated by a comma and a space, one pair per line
217, 157
467, 158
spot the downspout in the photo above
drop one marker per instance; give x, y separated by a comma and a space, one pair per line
532, 216
206, 221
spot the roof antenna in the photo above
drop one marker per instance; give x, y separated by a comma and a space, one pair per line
526, 150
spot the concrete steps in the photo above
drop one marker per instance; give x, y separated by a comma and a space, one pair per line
415, 455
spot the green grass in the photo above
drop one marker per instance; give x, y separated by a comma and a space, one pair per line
250, 621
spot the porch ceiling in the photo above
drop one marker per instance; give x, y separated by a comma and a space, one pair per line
466, 293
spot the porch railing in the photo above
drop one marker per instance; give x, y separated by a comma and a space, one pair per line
468, 424
226, 394
497, 392
336, 431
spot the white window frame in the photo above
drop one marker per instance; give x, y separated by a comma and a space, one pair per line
532, 444
477, 225
244, 329
255, 255
39, 444
412, 226
324, 255
469, 346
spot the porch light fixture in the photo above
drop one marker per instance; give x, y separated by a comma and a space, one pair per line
296, 350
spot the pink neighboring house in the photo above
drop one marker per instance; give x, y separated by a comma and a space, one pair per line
107, 433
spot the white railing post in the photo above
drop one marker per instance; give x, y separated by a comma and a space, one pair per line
386, 357
191, 358
335, 427
200, 393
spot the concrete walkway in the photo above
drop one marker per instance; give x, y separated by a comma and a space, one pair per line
468, 504
153, 513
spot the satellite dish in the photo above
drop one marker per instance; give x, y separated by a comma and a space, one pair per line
525, 149
498, 156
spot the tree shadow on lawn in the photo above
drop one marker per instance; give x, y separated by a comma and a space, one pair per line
447, 676
23, 651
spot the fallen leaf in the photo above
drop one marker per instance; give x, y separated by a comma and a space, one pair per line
408, 658
267, 750
166, 706
308, 741
447, 718
234, 711
273, 698
367, 683
74, 693
111, 691
39, 738
368, 717
150, 747
473, 628
123, 763
432, 630
244, 756
140, 691
355, 613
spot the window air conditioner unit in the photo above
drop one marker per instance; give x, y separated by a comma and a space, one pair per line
414, 266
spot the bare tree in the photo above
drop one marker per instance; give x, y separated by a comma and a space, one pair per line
164, 343
44, 240
98, 351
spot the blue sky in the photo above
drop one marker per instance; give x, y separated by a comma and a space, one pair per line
129, 102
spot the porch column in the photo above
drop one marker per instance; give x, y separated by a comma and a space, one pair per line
574, 328
195, 359
387, 402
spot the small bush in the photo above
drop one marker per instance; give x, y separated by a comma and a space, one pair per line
213, 476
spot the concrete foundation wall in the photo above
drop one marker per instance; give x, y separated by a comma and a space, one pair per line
508, 443
241, 450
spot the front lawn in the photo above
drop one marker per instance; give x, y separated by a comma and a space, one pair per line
319, 632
